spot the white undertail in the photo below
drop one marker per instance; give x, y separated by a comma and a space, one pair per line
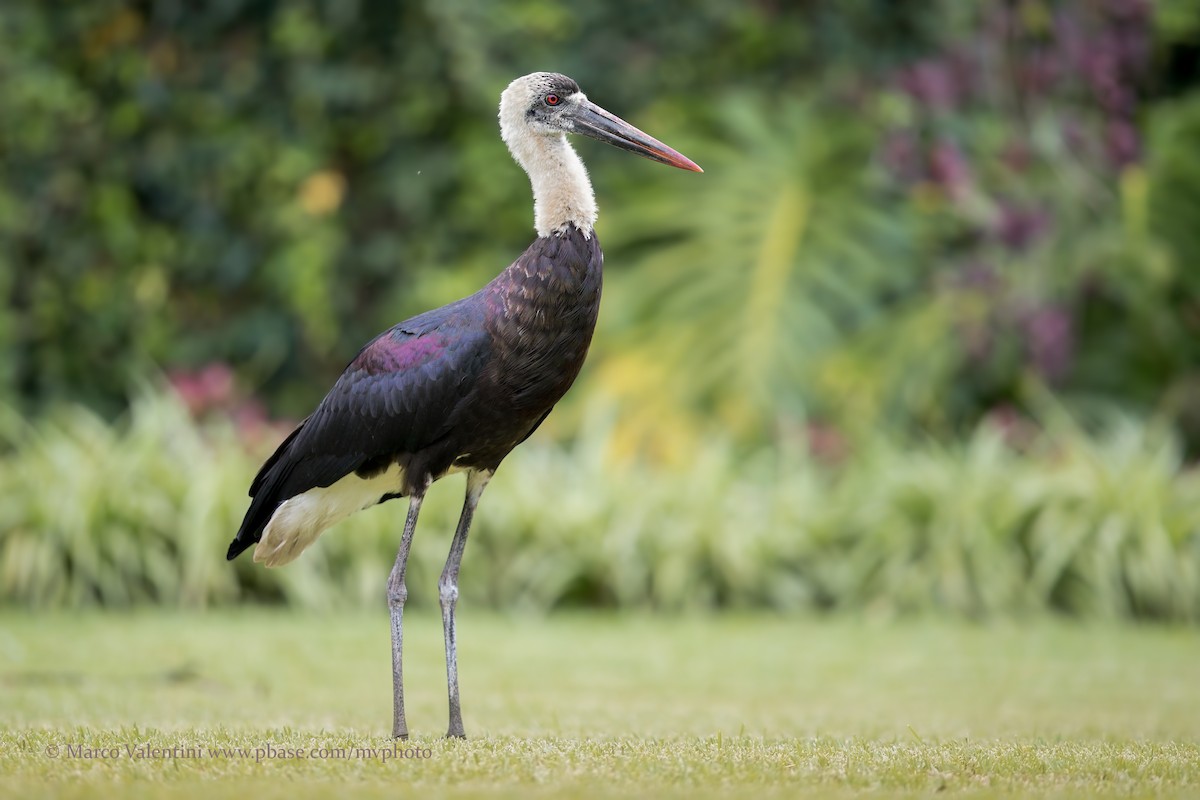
301, 519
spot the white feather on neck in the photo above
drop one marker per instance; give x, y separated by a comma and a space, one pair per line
562, 192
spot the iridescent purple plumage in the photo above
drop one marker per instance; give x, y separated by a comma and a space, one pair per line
459, 386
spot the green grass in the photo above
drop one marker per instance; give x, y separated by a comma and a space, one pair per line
602, 705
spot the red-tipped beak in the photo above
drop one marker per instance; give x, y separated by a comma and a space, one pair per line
592, 120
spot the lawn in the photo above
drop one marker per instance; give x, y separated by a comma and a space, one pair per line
588, 705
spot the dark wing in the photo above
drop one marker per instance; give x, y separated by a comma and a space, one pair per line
397, 396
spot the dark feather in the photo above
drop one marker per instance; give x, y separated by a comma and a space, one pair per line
462, 384
397, 396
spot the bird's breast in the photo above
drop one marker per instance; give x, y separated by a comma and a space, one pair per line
542, 316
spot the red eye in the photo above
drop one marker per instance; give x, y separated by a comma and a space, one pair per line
551, 99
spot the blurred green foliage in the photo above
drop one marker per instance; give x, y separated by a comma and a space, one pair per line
269, 184
917, 248
912, 212
838, 370
1007, 522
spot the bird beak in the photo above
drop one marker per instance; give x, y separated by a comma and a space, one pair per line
592, 120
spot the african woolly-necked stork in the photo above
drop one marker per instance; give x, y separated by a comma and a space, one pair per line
456, 388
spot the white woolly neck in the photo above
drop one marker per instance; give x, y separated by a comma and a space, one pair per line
562, 192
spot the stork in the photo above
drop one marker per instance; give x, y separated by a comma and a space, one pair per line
457, 388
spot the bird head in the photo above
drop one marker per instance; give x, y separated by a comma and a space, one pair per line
550, 104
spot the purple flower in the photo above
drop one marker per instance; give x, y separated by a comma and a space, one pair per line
1050, 342
931, 83
947, 166
1017, 228
1122, 143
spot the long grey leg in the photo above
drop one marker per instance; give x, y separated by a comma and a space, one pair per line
397, 593
448, 594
